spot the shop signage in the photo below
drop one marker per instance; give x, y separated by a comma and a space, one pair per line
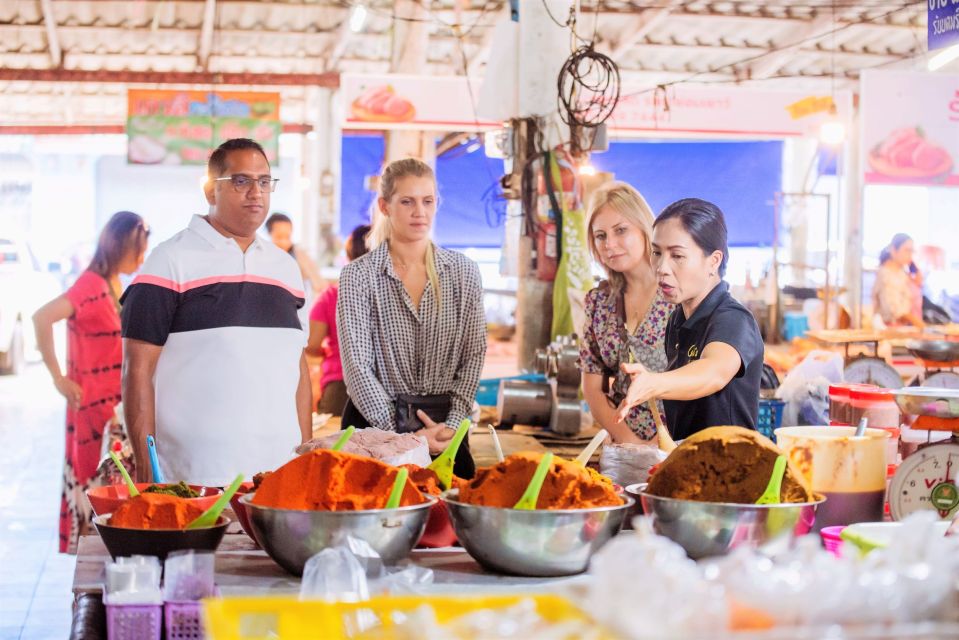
698, 111
446, 103
392, 101
183, 127
943, 23
910, 128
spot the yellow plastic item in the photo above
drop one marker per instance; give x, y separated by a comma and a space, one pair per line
286, 617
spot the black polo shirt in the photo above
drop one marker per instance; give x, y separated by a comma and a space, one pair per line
719, 318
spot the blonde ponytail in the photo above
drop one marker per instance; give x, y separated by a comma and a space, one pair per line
382, 228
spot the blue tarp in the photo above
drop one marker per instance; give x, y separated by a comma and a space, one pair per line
741, 177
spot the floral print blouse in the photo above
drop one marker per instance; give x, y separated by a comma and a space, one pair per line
605, 343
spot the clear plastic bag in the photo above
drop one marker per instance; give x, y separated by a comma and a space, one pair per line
628, 464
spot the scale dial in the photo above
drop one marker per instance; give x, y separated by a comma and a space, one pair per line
872, 371
926, 480
942, 380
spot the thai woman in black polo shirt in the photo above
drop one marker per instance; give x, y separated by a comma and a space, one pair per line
713, 345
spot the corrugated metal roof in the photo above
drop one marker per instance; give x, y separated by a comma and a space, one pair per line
777, 42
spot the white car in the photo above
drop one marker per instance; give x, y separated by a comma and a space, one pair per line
24, 288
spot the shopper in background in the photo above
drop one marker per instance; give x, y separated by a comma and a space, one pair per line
411, 321
897, 292
324, 342
280, 228
626, 314
213, 361
91, 385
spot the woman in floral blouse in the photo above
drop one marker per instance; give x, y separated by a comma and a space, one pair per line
626, 314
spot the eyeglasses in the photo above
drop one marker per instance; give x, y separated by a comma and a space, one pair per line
242, 183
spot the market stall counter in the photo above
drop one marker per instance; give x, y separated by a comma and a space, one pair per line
244, 569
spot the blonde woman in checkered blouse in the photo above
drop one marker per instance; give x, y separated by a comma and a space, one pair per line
410, 315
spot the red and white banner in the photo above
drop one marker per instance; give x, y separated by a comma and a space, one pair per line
910, 128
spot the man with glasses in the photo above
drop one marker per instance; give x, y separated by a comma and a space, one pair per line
213, 362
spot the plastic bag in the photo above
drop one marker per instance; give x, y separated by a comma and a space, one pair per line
806, 388
353, 571
677, 601
910, 580
627, 464
387, 446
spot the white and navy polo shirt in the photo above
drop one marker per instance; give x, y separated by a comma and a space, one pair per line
232, 338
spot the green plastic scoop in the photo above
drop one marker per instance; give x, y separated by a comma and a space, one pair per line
396, 493
209, 517
865, 545
344, 438
443, 465
772, 493
531, 495
132, 488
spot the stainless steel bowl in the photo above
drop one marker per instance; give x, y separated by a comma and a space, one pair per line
533, 543
934, 350
635, 492
291, 537
706, 529
929, 401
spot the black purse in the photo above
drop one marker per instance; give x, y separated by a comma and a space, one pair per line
437, 407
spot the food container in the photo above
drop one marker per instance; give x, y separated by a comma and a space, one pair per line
877, 405
706, 529
839, 409
293, 536
108, 499
537, 542
121, 541
849, 471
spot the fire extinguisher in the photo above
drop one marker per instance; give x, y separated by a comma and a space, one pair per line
549, 239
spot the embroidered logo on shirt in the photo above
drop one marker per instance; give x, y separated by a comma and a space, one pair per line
693, 352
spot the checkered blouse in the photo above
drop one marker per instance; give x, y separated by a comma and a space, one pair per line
388, 347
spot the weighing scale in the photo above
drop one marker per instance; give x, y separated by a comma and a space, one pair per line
927, 480
939, 360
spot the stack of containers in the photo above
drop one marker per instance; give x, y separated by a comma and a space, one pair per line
188, 578
879, 407
840, 412
133, 599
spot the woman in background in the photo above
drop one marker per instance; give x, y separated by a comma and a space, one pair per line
91, 385
897, 293
324, 342
626, 314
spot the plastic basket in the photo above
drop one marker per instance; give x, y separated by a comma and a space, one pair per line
134, 621
258, 618
182, 620
831, 540
770, 417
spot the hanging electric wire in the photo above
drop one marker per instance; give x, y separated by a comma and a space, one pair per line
588, 88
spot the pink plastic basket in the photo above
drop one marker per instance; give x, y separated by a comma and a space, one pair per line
831, 540
134, 621
183, 620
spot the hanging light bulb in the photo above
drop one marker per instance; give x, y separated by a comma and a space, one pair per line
832, 132
587, 170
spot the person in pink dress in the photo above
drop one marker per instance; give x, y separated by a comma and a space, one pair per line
323, 341
91, 385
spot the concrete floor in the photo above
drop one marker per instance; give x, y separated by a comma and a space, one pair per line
35, 580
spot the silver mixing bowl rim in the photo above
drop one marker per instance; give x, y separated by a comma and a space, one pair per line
103, 520
426, 504
738, 505
447, 496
